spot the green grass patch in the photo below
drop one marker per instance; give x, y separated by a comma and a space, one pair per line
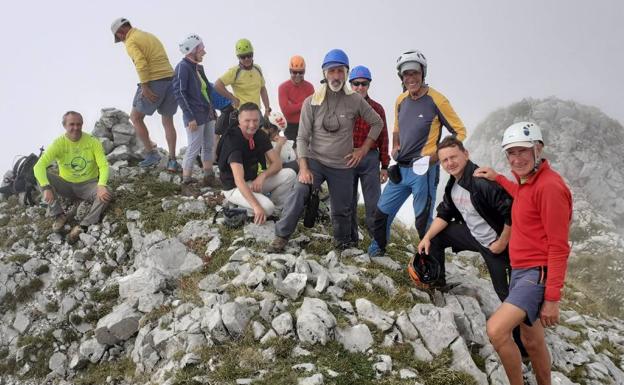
41, 348
43, 269
64, 284
437, 372
20, 259
122, 370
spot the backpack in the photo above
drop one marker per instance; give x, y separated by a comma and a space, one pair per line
240, 69
22, 179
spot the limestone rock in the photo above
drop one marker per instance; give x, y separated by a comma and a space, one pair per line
355, 339
315, 323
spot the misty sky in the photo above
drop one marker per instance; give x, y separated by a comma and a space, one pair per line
482, 54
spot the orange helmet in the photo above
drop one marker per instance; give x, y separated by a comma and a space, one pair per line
297, 63
423, 270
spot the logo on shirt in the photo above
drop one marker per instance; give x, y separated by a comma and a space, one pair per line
421, 116
78, 164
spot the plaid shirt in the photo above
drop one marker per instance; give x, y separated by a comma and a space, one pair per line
360, 133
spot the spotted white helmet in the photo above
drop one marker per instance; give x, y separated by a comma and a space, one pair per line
189, 43
412, 60
521, 134
277, 118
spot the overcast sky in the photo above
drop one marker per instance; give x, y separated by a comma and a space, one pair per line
482, 54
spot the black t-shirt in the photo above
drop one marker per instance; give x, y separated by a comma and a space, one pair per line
233, 147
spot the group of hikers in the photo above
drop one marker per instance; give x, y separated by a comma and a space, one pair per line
272, 163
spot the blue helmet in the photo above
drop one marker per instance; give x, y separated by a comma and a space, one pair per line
335, 57
360, 72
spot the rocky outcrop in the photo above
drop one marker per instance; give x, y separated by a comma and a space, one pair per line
164, 290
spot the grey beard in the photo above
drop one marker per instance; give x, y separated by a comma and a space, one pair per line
334, 87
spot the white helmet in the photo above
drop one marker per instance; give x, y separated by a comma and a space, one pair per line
187, 45
277, 118
521, 134
412, 60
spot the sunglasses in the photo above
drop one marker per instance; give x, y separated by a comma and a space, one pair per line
297, 73
357, 84
246, 56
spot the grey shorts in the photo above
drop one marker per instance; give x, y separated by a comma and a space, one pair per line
526, 291
166, 104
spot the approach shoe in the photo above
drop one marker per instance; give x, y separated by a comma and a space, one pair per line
278, 245
74, 234
151, 159
59, 222
173, 166
209, 180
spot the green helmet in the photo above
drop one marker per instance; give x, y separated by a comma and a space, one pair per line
243, 46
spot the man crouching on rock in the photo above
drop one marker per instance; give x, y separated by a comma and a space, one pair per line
538, 250
239, 153
83, 174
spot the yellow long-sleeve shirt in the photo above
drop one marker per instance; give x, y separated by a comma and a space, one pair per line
77, 161
148, 55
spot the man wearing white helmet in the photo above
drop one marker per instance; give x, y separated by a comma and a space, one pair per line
154, 92
192, 89
325, 150
419, 114
538, 250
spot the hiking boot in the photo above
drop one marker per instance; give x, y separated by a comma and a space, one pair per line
74, 234
189, 180
209, 180
151, 159
173, 166
278, 245
59, 222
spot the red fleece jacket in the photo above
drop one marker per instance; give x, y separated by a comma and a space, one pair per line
540, 217
291, 97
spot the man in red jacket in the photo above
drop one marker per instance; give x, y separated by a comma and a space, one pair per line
291, 95
538, 250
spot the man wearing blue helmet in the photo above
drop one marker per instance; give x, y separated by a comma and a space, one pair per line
325, 150
368, 172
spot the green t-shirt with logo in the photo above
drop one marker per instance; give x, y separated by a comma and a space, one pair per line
77, 161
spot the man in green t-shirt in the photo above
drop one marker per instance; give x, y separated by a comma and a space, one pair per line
83, 174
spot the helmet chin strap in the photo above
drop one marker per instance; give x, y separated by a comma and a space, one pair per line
537, 159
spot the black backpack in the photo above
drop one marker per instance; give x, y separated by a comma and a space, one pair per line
22, 179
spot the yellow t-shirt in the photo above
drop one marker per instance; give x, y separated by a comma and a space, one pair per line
247, 85
148, 55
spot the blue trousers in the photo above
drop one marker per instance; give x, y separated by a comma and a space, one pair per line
423, 190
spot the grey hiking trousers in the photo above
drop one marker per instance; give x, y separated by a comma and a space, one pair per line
340, 183
86, 191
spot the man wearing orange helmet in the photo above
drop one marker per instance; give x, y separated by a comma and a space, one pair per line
291, 95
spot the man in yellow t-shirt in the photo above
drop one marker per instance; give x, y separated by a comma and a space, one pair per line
83, 174
154, 91
246, 80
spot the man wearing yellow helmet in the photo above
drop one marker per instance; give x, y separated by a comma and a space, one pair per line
246, 80
291, 95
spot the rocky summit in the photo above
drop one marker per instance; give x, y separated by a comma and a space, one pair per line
161, 292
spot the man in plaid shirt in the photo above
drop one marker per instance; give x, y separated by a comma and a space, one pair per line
367, 171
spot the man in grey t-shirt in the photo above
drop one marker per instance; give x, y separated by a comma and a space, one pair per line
325, 150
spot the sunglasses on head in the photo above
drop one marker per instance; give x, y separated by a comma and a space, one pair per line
297, 72
245, 56
357, 84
